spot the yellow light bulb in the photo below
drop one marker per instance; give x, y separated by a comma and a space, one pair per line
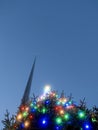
19, 116
61, 112
26, 124
27, 108
65, 100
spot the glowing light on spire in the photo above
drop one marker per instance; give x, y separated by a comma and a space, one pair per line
47, 89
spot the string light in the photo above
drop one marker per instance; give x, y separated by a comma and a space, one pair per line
27, 109
60, 110
81, 114
26, 124
44, 110
43, 121
87, 126
66, 116
94, 120
19, 117
25, 114
58, 120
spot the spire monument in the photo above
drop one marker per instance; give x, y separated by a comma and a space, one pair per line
26, 94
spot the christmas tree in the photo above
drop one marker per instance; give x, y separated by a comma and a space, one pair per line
52, 112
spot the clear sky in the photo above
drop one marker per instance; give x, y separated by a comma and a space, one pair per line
64, 37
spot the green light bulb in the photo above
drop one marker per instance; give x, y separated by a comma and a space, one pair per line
94, 120
44, 110
70, 102
58, 120
35, 107
31, 105
81, 114
58, 103
25, 114
66, 116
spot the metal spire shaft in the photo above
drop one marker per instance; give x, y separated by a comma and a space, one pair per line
26, 94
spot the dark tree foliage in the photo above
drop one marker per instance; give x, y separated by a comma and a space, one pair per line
79, 114
8, 121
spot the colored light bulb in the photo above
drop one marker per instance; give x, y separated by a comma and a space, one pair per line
19, 116
66, 116
61, 112
44, 110
22, 108
31, 105
94, 120
58, 103
25, 114
81, 114
47, 102
22, 126
58, 120
31, 116
35, 107
70, 102
87, 126
27, 109
26, 124
44, 122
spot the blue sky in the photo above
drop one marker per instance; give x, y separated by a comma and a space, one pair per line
64, 37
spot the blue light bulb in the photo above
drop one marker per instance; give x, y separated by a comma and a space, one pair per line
57, 127
47, 102
44, 122
87, 126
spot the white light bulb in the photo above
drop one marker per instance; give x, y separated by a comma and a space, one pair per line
47, 89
